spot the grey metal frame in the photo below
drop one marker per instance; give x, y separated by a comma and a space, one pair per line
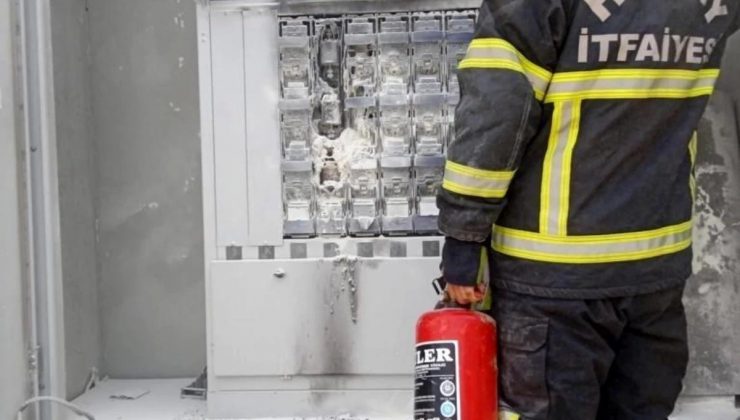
44, 251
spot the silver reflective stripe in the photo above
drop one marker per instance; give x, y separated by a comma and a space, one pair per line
556, 178
467, 180
477, 184
592, 249
482, 55
631, 83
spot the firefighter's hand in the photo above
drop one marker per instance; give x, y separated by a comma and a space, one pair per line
464, 295
465, 271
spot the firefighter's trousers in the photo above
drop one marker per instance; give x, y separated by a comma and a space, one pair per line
608, 359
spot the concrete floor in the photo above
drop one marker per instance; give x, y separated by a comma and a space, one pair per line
163, 402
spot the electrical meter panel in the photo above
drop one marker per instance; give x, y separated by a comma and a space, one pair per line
367, 111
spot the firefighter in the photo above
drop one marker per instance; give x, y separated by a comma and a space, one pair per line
571, 173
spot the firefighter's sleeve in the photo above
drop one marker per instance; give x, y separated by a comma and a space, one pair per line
503, 81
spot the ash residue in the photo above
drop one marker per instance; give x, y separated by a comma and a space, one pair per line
346, 266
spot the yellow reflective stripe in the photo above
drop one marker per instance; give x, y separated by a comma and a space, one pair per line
634, 73
478, 173
508, 415
539, 91
540, 72
556, 175
592, 249
631, 84
611, 238
693, 148
565, 177
592, 259
484, 277
470, 191
476, 182
547, 167
495, 53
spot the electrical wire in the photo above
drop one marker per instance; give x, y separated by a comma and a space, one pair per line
77, 410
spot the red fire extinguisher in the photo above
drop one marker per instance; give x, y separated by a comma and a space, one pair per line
456, 371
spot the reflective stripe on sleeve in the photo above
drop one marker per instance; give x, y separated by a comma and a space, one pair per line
475, 182
592, 249
495, 53
631, 84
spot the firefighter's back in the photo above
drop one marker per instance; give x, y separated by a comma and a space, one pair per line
603, 197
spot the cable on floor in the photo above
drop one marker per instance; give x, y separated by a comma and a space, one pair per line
67, 404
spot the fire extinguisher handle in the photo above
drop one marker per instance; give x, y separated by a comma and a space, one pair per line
447, 303
439, 285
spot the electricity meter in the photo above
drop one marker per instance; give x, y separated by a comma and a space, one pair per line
298, 199
397, 195
364, 197
427, 38
295, 128
360, 56
428, 174
459, 30
295, 58
393, 46
429, 123
395, 125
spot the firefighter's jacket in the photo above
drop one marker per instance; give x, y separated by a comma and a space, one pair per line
575, 140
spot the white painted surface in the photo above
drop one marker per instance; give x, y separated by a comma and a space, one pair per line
339, 323
229, 128
164, 403
343, 345
264, 182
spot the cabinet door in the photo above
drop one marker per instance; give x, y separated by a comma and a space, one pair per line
317, 317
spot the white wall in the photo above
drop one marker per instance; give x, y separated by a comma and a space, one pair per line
13, 372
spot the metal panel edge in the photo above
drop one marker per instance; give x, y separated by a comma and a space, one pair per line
264, 185
229, 127
300, 7
43, 198
210, 248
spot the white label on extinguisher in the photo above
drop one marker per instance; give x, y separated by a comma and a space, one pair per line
436, 388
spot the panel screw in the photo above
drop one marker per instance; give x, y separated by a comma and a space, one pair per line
279, 273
